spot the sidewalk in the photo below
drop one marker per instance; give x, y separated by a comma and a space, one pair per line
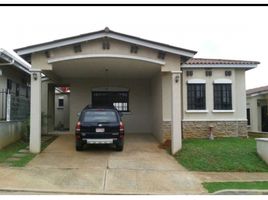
231, 176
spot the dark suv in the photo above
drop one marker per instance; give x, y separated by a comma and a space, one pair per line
99, 125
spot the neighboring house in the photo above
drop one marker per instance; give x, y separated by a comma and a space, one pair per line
14, 97
161, 89
257, 112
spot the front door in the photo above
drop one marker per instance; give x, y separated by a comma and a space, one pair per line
264, 118
108, 98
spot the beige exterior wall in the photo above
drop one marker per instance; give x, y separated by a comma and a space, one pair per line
138, 120
157, 109
144, 108
47, 106
238, 96
226, 123
62, 114
40, 61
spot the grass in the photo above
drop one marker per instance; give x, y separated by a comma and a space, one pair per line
14, 148
221, 155
216, 186
11, 149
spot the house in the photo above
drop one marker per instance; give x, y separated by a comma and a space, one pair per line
160, 89
14, 97
257, 115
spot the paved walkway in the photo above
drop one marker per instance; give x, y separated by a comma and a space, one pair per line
142, 168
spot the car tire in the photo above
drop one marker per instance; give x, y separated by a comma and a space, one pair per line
119, 146
79, 146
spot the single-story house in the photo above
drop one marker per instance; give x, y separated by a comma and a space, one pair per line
160, 89
14, 97
257, 109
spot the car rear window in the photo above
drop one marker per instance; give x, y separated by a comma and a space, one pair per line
104, 116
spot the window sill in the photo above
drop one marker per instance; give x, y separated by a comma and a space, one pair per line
196, 111
223, 111
61, 107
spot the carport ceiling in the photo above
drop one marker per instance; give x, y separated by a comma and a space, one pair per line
95, 68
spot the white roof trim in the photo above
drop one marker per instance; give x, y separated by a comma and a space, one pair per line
151, 45
43, 47
25, 67
224, 81
54, 60
257, 93
196, 81
242, 66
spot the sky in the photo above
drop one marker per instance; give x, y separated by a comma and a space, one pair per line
215, 32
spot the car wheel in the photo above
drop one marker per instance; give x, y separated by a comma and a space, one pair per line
79, 146
119, 146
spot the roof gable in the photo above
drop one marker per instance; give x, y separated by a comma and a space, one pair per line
106, 33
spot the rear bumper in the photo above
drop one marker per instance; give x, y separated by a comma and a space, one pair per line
99, 138
99, 141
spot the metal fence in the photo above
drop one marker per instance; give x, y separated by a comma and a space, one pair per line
13, 107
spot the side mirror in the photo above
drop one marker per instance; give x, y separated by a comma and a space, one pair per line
78, 114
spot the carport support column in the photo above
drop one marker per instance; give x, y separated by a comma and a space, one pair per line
35, 116
176, 136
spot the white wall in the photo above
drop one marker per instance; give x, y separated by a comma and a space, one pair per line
254, 103
238, 95
62, 114
9, 132
166, 96
262, 148
156, 88
138, 120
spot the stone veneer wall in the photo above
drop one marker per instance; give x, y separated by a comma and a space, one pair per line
166, 130
200, 129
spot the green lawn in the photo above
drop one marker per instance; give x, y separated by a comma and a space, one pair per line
221, 155
14, 148
216, 186
9, 150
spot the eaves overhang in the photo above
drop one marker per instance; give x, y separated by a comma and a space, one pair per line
12, 60
106, 33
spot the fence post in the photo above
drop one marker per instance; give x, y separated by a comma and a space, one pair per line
8, 106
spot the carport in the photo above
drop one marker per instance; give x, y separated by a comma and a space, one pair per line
142, 77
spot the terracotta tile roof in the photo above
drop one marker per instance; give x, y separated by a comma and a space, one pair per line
257, 90
194, 61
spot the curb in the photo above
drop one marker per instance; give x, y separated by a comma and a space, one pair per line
241, 192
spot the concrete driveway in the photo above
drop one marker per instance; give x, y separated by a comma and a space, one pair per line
142, 168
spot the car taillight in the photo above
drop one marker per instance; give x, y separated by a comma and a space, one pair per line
121, 127
77, 128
